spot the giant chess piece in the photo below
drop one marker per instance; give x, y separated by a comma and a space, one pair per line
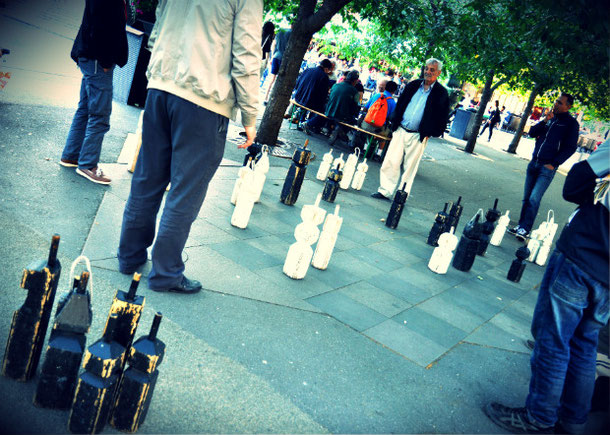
550, 229
339, 161
306, 234
296, 175
438, 227
469, 243
443, 254
400, 197
327, 161
328, 239
128, 308
360, 175
246, 199
30, 322
242, 174
97, 384
518, 265
455, 212
59, 372
492, 215
498, 234
331, 187
260, 172
534, 243
137, 385
350, 169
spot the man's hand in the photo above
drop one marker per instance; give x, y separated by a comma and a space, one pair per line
250, 135
549, 166
106, 69
549, 115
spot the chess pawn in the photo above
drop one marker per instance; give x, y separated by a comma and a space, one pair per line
241, 174
331, 187
360, 175
306, 234
350, 169
469, 243
443, 254
438, 227
328, 238
533, 245
397, 207
327, 160
518, 266
488, 227
245, 200
260, 172
339, 161
498, 234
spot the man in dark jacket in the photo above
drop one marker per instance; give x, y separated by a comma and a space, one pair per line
556, 138
312, 86
492, 121
101, 43
572, 308
421, 112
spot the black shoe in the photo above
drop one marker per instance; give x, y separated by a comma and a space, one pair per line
530, 344
187, 286
130, 270
378, 195
515, 420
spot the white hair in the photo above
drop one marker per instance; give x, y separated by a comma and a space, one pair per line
438, 63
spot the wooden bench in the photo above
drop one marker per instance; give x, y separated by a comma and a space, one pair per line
373, 139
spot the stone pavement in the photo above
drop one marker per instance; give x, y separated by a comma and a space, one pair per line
375, 344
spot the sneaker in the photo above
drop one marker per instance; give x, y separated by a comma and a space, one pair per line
522, 234
95, 174
378, 195
513, 230
69, 163
515, 420
306, 128
186, 286
530, 344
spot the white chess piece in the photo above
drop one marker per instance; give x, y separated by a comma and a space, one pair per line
500, 230
547, 241
240, 177
327, 160
443, 253
534, 244
245, 201
260, 172
306, 234
339, 161
350, 169
360, 175
328, 238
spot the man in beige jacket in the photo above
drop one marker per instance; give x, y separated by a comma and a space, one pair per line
204, 67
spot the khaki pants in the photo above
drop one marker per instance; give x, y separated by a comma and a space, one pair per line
404, 148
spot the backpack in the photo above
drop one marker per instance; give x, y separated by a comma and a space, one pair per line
378, 112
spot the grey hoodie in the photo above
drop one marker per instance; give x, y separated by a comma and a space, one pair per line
209, 52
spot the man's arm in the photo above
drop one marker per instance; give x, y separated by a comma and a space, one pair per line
539, 129
581, 179
245, 65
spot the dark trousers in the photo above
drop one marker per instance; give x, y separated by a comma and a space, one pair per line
537, 181
182, 143
491, 126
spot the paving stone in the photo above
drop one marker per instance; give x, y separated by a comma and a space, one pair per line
103, 239
400, 288
344, 269
484, 308
203, 233
302, 288
451, 278
375, 298
395, 249
375, 258
494, 336
444, 306
421, 278
406, 342
353, 233
502, 287
430, 326
347, 310
244, 254
223, 221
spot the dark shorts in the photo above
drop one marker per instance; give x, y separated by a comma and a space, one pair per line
275, 65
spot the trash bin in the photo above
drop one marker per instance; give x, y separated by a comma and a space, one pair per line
463, 118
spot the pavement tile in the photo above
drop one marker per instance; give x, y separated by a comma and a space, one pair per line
375, 298
400, 288
344, 269
495, 336
375, 258
451, 278
406, 342
445, 307
395, 249
501, 286
302, 288
244, 254
347, 310
469, 300
353, 232
430, 326
104, 235
424, 278
203, 233
222, 220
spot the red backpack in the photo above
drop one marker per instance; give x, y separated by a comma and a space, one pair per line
378, 112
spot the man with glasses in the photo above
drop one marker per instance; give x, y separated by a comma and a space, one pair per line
556, 138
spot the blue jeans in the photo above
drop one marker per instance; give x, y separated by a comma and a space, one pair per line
537, 181
571, 309
182, 143
92, 118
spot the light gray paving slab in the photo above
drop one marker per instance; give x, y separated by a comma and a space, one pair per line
430, 326
484, 308
375, 258
244, 254
492, 335
204, 233
347, 310
375, 298
400, 288
423, 278
444, 307
406, 342
301, 288
344, 269
395, 250
105, 232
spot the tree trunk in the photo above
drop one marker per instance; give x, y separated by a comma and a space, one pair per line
307, 22
478, 117
512, 148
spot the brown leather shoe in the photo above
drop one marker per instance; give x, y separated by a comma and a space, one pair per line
95, 174
69, 163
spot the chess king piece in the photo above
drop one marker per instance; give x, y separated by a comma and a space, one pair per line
488, 227
455, 212
443, 254
438, 227
328, 239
